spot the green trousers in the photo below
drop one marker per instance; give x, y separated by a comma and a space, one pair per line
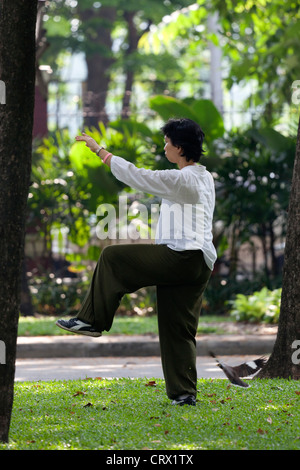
180, 279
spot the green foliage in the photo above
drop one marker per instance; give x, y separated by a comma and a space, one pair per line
262, 40
252, 176
222, 290
259, 42
69, 182
60, 196
126, 414
202, 111
79, 26
141, 302
260, 307
53, 296
251, 180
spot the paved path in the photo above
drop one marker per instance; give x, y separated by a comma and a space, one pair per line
136, 346
78, 357
35, 369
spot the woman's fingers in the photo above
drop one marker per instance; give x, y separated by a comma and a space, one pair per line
89, 141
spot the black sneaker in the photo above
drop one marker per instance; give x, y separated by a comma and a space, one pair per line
189, 400
74, 325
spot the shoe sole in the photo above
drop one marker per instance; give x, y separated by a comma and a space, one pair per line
94, 334
183, 404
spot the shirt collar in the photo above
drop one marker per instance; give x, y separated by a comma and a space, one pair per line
202, 167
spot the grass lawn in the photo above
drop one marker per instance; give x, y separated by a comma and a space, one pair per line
134, 325
126, 414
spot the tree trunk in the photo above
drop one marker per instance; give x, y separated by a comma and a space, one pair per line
133, 40
275, 269
17, 65
98, 59
284, 361
234, 250
264, 248
26, 307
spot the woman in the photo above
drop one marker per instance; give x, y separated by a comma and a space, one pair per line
179, 264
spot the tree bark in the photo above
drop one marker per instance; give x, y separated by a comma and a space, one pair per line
133, 40
284, 361
275, 269
129, 55
99, 59
17, 65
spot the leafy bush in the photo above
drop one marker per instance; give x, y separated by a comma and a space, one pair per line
142, 302
262, 306
221, 290
54, 296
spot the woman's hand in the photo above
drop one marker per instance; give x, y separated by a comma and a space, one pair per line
89, 142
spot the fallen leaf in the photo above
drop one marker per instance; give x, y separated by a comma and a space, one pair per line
269, 419
297, 392
261, 431
93, 378
151, 383
166, 432
78, 393
157, 425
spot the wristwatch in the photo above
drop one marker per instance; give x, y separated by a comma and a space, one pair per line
99, 150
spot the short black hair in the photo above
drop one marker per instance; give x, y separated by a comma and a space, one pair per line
186, 134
